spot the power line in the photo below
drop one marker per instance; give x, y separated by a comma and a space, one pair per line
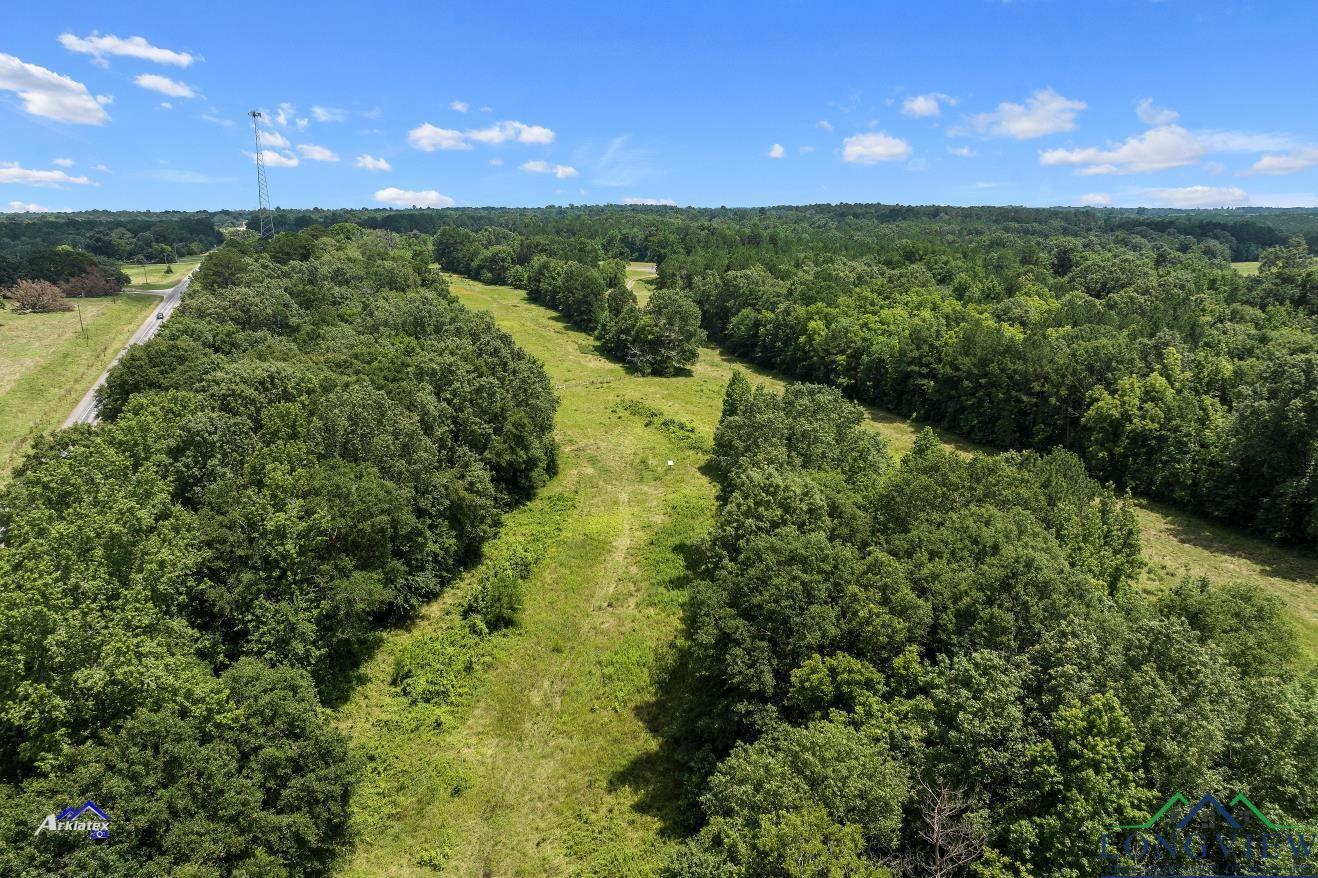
266, 218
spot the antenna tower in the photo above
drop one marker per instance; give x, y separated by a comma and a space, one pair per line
266, 218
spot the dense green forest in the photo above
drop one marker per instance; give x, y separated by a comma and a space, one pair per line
122, 236
308, 451
1124, 336
938, 666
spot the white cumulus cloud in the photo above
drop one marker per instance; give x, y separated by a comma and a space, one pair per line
867, 149
824, 124
317, 153
274, 138
1151, 115
13, 172
284, 113
1044, 112
63, 163
776, 151
274, 159
924, 106
1096, 199
48, 94
328, 114
964, 152
1157, 149
133, 47
667, 202
412, 198
460, 106
541, 167
1286, 163
428, 138
503, 131
24, 207
1199, 196
165, 85
371, 163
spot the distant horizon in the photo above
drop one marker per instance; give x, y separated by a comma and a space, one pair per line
1244, 209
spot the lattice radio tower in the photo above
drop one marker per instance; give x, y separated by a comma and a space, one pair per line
266, 218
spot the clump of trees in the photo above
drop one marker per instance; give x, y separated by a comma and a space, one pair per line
307, 451
661, 338
940, 666
42, 280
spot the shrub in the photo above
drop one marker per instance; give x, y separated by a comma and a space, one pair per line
37, 297
497, 598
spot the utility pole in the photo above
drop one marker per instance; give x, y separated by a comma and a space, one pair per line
266, 219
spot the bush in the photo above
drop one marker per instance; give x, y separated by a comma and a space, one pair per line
497, 598
37, 297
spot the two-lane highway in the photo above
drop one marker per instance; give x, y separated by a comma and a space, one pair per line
85, 413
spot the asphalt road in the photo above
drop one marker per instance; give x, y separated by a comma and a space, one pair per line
85, 412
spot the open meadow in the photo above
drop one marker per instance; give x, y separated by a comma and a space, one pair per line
153, 275
47, 363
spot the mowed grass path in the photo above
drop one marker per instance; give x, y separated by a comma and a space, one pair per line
640, 279
46, 364
549, 765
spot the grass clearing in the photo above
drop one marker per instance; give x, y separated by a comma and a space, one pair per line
47, 364
640, 279
1247, 269
543, 760
156, 278
546, 764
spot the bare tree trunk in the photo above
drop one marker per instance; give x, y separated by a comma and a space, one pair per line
954, 839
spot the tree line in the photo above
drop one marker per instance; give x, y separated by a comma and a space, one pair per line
122, 236
47, 278
307, 451
1124, 336
940, 665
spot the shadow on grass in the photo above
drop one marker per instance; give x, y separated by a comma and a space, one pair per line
665, 779
665, 787
899, 430
1281, 562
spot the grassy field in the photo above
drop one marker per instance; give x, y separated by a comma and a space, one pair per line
640, 277
1248, 269
46, 364
546, 763
548, 766
156, 279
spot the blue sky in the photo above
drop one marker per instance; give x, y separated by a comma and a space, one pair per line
1122, 102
